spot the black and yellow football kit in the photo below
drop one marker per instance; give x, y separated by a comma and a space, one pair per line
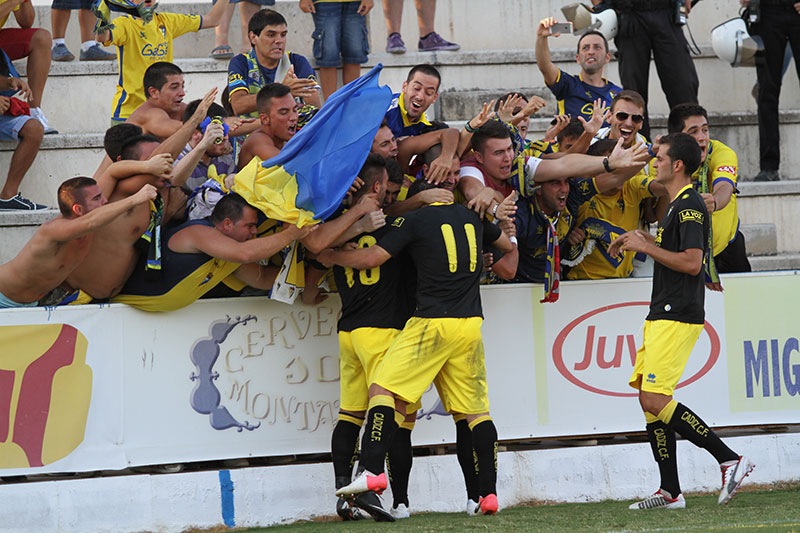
442, 342
677, 304
376, 303
671, 330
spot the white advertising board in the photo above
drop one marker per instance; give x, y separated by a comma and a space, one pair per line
107, 387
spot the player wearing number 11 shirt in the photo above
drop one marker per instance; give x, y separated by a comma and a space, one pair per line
440, 343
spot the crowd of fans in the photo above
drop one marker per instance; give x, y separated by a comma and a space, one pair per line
560, 213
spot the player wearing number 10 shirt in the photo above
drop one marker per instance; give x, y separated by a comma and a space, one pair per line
440, 343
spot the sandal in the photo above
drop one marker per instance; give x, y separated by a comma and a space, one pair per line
221, 52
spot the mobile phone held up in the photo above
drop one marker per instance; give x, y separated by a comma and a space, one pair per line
561, 27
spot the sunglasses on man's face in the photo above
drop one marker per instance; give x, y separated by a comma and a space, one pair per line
622, 116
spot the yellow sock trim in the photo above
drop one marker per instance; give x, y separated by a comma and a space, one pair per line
352, 419
458, 418
408, 425
381, 399
650, 417
478, 420
666, 413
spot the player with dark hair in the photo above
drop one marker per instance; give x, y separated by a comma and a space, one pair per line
674, 324
441, 343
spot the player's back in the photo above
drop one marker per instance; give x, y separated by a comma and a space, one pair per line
445, 243
380, 297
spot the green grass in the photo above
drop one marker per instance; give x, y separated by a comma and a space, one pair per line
767, 509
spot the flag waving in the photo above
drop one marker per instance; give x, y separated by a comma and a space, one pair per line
307, 181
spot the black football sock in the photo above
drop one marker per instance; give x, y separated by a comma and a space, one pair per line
467, 459
399, 461
378, 433
692, 428
484, 441
344, 447
662, 442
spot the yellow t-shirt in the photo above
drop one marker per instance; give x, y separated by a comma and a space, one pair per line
139, 45
722, 167
621, 209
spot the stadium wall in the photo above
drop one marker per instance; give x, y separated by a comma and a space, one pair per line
101, 387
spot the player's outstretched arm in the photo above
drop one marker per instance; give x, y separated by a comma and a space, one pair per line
360, 259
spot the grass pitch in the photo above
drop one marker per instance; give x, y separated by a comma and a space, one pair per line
765, 509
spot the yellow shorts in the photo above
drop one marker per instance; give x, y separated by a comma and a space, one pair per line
360, 353
666, 347
445, 351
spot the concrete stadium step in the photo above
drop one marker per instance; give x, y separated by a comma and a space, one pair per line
761, 239
17, 227
469, 79
785, 261
515, 21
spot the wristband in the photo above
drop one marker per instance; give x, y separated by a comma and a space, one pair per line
494, 210
469, 128
606, 165
715, 204
514, 240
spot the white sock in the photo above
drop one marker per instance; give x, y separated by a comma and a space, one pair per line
56, 42
85, 45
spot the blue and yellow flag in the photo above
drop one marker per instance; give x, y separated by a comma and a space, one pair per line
307, 181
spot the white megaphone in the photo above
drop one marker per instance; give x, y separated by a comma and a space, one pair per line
733, 44
584, 19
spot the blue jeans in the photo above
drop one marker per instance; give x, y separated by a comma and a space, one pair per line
340, 34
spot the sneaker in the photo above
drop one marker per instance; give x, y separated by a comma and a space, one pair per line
371, 503
433, 42
733, 474
36, 112
363, 482
488, 504
348, 511
660, 500
767, 175
395, 44
19, 202
60, 52
96, 53
400, 511
473, 508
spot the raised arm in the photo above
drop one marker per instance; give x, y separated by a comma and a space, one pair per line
330, 231
546, 66
73, 228
187, 164
177, 141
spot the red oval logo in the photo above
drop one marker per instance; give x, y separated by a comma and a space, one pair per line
622, 348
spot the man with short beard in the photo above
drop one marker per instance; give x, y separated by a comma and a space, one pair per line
576, 94
277, 112
406, 114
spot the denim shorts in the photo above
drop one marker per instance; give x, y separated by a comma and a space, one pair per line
10, 126
340, 34
71, 4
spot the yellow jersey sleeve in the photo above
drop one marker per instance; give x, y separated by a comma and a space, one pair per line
176, 24
722, 168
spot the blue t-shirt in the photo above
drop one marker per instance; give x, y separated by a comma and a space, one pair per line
532, 224
238, 71
576, 97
